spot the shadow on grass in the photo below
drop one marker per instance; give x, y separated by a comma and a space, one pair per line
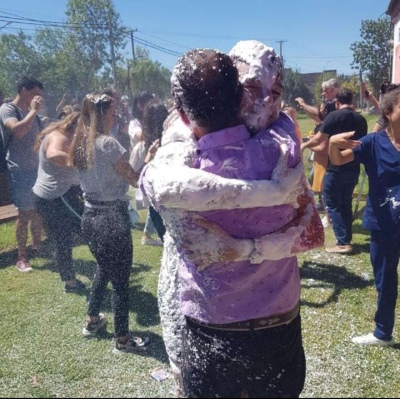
155, 348
328, 278
141, 302
358, 229
8, 258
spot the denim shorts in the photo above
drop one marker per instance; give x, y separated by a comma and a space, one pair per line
232, 364
21, 184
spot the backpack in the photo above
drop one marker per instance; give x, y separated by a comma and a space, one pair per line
6, 141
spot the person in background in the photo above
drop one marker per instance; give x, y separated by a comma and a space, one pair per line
154, 115
58, 195
292, 113
379, 153
340, 181
1, 97
381, 123
330, 88
105, 174
20, 126
135, 125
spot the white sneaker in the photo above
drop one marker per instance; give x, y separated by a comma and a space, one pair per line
152, 241
370, 339
325, 222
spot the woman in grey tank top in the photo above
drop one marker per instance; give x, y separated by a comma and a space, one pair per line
105, 174
58, 195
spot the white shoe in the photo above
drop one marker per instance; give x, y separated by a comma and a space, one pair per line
325, 222
370, 339
152, 241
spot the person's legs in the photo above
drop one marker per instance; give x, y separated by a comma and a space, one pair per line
338, 193
157, 222
36, 230
385, 254
21, 232
232, 364
149, 230
21, 183
348, 184
94, 226
59, 224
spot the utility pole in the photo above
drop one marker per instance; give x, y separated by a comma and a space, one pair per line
112, 54
361, 96
280, 47
133, 46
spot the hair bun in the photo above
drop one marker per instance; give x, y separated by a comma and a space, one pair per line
388, 86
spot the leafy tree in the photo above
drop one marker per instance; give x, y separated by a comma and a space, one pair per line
373, 54
151, 76
294, 86
18, 57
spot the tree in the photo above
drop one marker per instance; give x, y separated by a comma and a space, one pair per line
372, 55
18, 57
294, 86
97, 34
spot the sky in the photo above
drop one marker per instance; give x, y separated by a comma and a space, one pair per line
311, 35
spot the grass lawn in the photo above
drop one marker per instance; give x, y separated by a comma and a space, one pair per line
42, 352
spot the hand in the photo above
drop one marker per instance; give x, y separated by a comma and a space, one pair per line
220, 246
343, 141
300, 100
154, 147
37, 102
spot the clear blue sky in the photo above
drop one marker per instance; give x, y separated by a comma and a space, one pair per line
317, 34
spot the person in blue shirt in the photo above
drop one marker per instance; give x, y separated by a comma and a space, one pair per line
380, 154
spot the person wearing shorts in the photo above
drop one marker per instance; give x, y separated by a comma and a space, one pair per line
19, 126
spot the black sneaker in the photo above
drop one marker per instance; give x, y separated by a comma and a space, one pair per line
77, 288
132, 345
92, 328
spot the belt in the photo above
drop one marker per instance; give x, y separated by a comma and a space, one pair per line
254, 324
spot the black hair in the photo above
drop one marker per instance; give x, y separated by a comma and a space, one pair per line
205, 86
141, 98
28, 83
388, 100
345, 96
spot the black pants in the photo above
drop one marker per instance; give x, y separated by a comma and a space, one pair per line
158, 223
61, 219
268, 363
108, 234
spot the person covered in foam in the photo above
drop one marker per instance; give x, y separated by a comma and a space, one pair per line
194, 190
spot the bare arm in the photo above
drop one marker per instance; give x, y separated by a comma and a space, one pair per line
315, 141
57, 149
341, 148
21, 128
310, 110
125, 170
61, 103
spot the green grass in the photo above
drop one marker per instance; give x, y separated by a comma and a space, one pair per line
42, 352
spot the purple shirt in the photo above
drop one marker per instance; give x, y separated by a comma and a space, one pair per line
237, 291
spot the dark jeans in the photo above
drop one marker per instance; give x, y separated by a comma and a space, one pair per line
61, 219
338, 194
385, 254
158, 222
268, 363
108, 233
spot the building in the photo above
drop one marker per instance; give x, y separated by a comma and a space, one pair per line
394, 12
